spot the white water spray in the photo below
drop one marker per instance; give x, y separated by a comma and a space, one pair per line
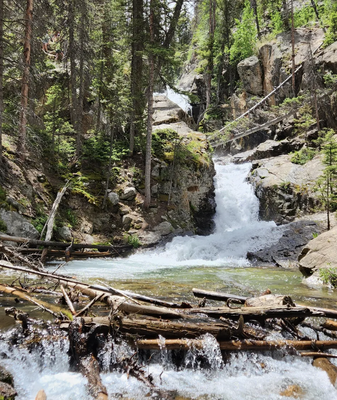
237, 231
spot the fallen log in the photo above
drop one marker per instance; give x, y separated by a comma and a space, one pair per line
255, 313
325, 365
317, 354
217, 295
62, 245
137, 296
269, 300
331, 325
151, 328
50, 308
243, 345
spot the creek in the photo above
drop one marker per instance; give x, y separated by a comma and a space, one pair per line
216, 262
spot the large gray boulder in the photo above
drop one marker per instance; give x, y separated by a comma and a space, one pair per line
328, 59
17, 225
285, 252
250, 73
286, 190
320, 253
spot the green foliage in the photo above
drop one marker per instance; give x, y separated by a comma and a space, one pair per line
79, 184
39, 222
3, 194
327, 183
330, 78
245, 36
133, 240
163, 141
97, 149
331, 34
277, 23
71, 217
305, 120
329, 276
303, 16
302, 156
3, 226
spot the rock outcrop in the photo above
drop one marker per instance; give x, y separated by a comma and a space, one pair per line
285, 189
17, 225
320, 253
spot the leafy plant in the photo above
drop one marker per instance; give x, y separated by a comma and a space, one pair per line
329, 276
133, 240
39, 222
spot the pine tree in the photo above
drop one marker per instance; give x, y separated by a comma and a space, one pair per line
327, 183
245, 36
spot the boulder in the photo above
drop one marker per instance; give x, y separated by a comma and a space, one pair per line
7, 392
113, 198
6, 376
286, 190
320, 253
17, 225
164, 228
285, 252
65, 233
328, 59
128, 194
250, 73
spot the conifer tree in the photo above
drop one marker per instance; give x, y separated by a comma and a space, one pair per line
327, 183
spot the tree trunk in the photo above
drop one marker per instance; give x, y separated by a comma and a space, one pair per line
73, 72
148, 157
254, 7
1, 71
293, 49
28, 17
136, 70
210, 63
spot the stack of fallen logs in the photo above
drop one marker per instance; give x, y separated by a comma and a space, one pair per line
242, 324
43, 249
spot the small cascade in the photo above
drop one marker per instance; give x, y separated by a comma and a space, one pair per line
237, 231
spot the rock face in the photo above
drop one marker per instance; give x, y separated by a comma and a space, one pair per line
250, 73
319, 253
285, 189
285, 253
17, 225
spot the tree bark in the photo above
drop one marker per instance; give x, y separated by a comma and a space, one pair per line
22, 139
148, 157
136, 70
217, 295
1, 71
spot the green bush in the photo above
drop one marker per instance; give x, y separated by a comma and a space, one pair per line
302, 156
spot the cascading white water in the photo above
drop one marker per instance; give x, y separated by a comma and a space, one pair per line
237, 231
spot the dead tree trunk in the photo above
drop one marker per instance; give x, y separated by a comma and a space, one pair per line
21, 146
